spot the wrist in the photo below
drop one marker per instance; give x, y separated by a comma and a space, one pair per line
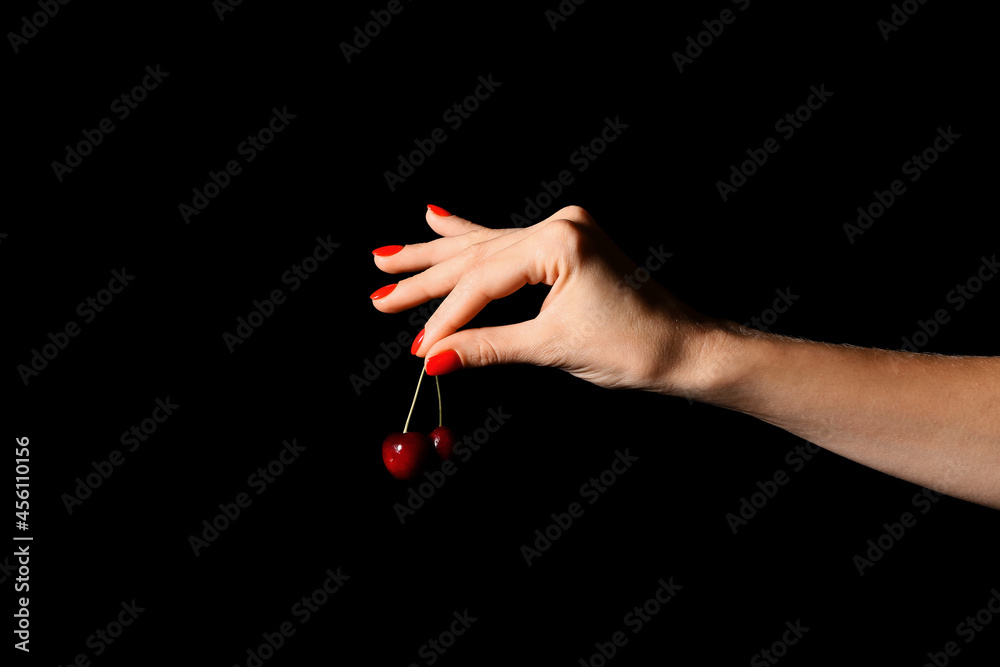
720, 359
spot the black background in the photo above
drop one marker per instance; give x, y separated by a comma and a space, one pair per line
323, 176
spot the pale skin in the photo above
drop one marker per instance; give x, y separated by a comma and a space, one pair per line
929, 419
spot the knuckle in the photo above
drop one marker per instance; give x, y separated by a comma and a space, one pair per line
482, 234
562, 228
488, 353
574, 213
477, 251
468, 287
471, 274
567, 234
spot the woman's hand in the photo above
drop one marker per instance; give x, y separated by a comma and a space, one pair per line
592, 324
929, 419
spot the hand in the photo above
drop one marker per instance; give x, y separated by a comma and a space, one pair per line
592, 323
929, 419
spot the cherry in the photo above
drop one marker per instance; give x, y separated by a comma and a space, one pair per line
405, 454
443, 439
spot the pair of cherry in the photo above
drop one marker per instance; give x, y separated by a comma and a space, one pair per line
406, 454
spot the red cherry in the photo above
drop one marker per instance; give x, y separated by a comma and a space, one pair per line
444, 441
406, 454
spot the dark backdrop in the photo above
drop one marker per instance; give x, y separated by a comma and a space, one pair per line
671, 517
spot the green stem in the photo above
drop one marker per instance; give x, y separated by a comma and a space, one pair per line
438, 383
415, 394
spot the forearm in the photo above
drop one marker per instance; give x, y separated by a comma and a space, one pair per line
932, 420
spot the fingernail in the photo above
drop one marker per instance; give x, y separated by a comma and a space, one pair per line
387, 250
383, 291
416, 342
443, 363
437, 210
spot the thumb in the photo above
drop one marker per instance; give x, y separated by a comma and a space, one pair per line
522, 343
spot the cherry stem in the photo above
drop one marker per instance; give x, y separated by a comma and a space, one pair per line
415, 394
438, 383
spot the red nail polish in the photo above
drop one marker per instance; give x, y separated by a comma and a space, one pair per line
387, 250
383, 291
416, 342
437, 210
443, 363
